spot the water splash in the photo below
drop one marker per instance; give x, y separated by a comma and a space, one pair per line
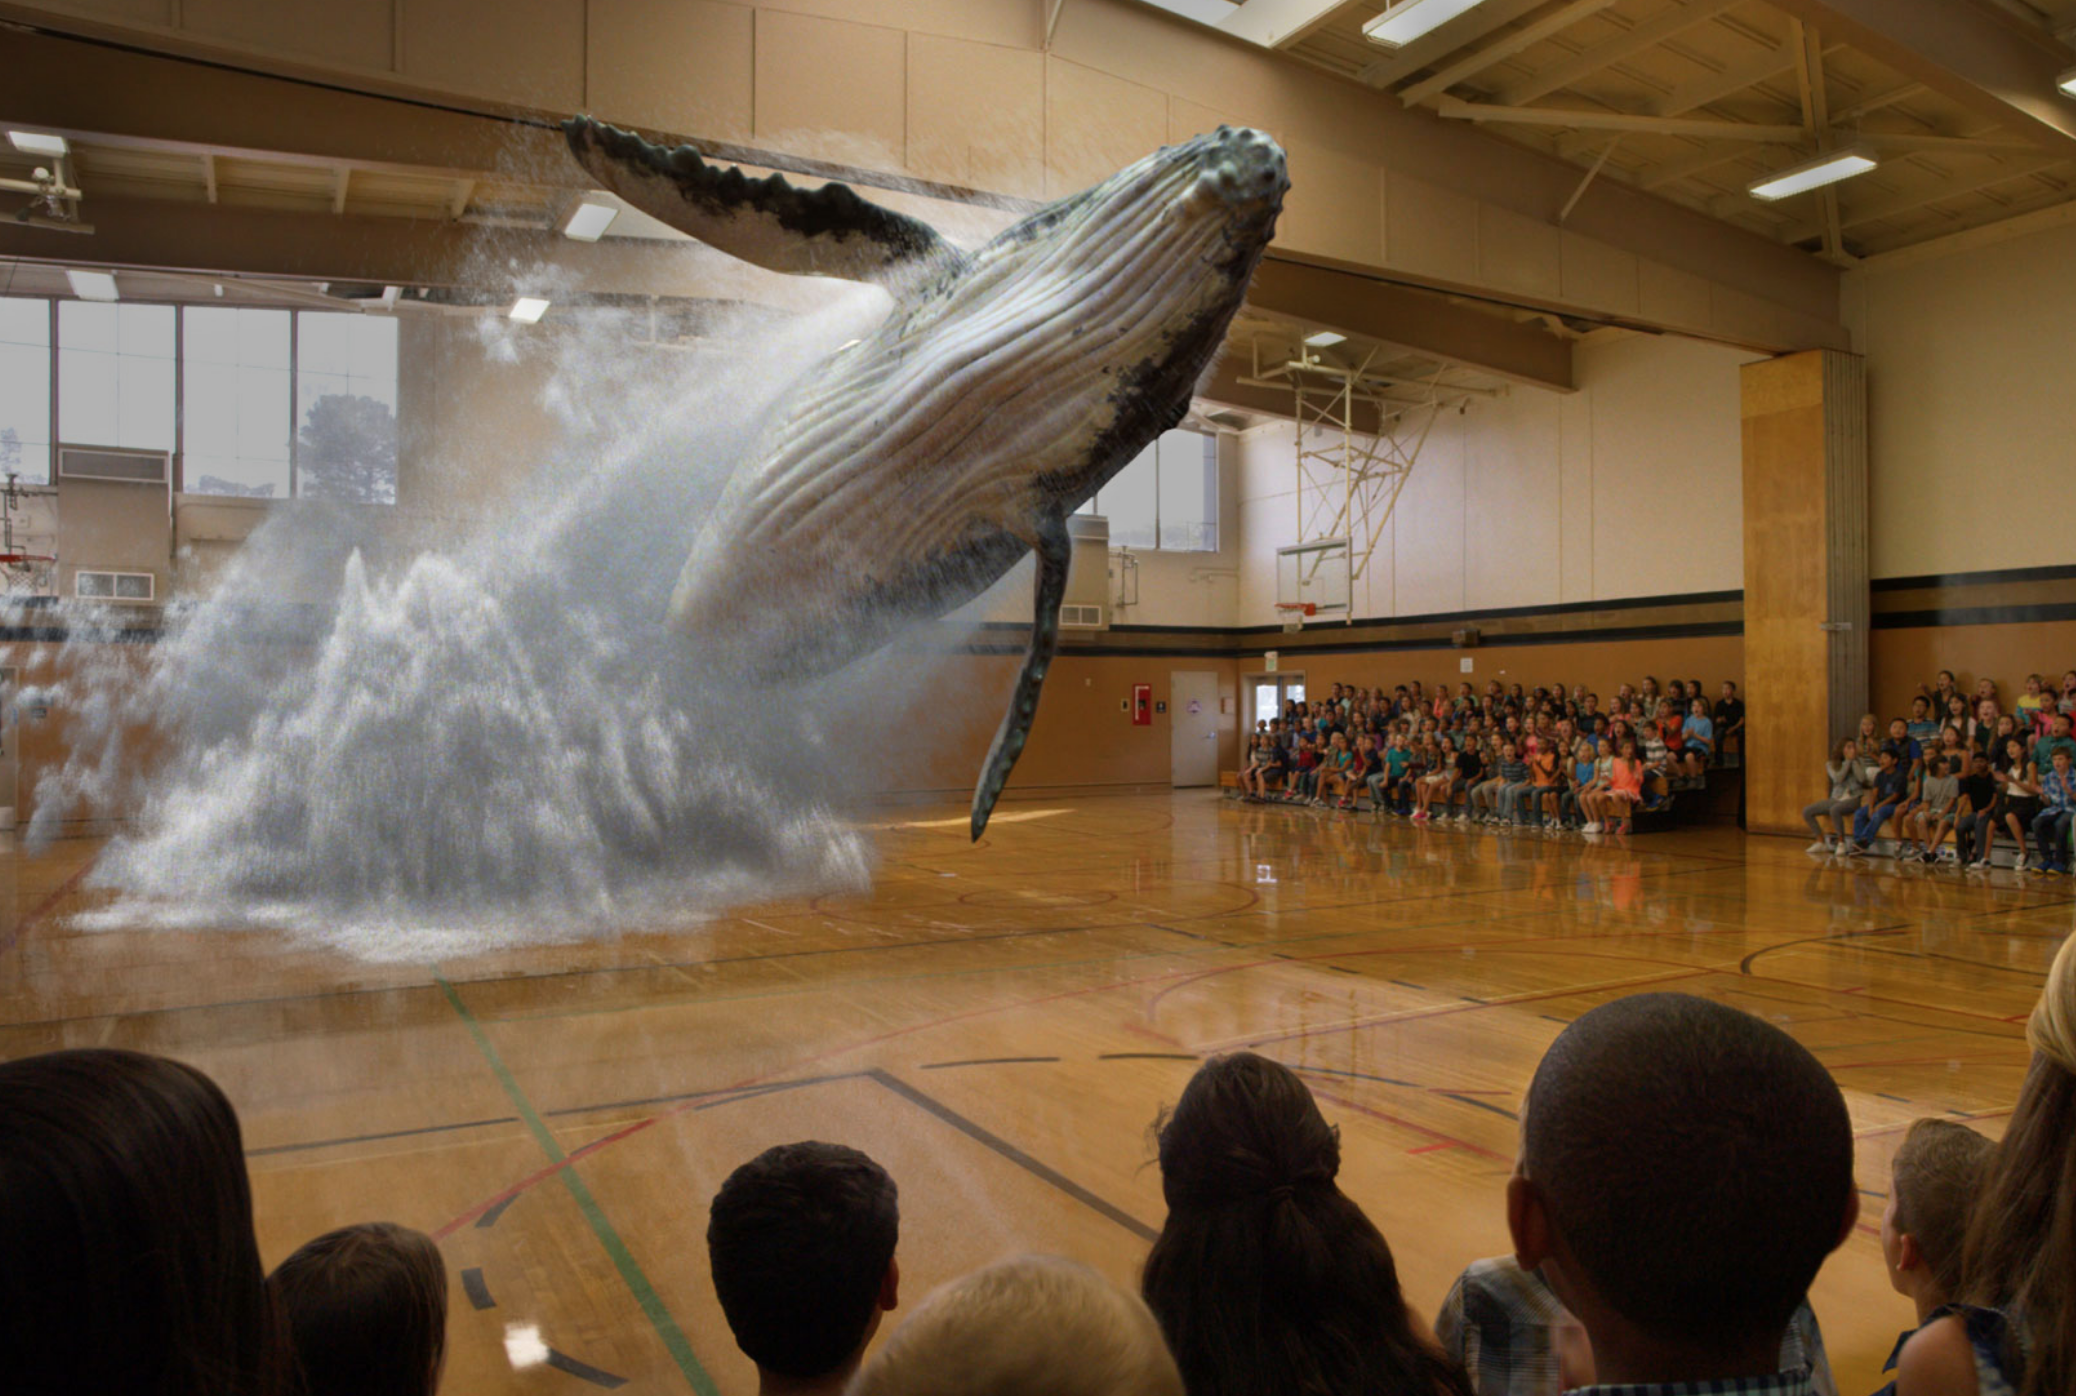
495, 740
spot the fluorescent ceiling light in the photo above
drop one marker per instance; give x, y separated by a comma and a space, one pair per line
91, 285
528, 310
37, 143
589, 222
1828, 168
1325, 339
2067, 82
1409, 19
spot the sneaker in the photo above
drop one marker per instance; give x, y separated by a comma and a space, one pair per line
1927, 857
1818, 849
1592, 828
2020, 865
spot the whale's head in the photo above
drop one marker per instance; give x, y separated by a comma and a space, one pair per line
1235, 177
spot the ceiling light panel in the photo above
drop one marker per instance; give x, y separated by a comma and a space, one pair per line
39, 143
1828, 168
589, 222
1411, 19
92, 285
528, 310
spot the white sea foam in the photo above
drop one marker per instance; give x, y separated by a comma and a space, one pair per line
495, 740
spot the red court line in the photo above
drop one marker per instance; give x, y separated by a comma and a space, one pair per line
43, 908
1443, 1140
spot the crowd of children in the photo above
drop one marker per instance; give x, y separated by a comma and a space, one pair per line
1959, 766
1550, 759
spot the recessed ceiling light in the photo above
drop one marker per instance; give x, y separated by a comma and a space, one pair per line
528, 310
1325, 339
1409, 19
38, 143
1828, 168
2067, 82
589, 222
91, 285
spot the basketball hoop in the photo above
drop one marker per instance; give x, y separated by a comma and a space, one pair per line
1296, 613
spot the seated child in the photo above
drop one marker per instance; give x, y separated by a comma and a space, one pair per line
364, 1309
1935, 1176
1634, 1113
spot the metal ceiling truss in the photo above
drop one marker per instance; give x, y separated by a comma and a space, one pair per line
1348, 482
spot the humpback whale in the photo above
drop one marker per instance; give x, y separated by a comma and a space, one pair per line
914, 467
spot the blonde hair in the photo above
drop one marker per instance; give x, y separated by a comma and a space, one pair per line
2051, 1030
1031, 1326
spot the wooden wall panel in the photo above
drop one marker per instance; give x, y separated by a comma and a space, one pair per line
976, 115
1335, 207
1805, 561
833, 90
525, 51
1095, 125
357, 33
1902, 659
682, 66
1601, 665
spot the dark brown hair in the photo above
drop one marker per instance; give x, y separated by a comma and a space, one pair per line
130, 1263
1937, 1171
1267, 1280
365, 1309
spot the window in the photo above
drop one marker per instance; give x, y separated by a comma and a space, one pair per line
25, 389
346, 394
235, 421
1189, 492
115, 375
1166, 498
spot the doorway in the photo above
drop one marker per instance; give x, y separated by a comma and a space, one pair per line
1266, 695
1193, 727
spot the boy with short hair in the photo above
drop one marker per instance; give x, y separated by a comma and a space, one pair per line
1925, 1224
2057, 812
1637, 1112
801, 1240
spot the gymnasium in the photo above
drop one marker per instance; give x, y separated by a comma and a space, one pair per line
404, 720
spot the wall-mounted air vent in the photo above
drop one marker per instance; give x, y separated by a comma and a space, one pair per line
120, 467
113, 586
1081, 617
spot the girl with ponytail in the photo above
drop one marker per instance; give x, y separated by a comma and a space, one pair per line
1267, 1280
2016, 1333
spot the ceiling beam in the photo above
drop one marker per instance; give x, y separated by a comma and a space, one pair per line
1278, 23
1649, 34
1874, 210
1738, 77
1430, 49
1983, 60
1503, 48
1703, 127
1362, 307
1228, 387
229, 240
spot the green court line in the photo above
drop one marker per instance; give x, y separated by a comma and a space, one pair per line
630, 1269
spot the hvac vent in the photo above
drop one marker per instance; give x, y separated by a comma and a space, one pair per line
122, 467
1081, 617
113, 586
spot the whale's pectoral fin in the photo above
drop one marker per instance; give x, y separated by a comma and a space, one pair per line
828, 231
1054, 550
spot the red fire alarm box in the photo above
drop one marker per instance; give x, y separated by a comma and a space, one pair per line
1142, 705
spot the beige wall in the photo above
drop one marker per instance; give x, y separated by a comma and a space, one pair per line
1971, 414
964, 92
1902, 659
1629, 487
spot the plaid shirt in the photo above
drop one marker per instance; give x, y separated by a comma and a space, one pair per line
1779, 1384
1502, 1323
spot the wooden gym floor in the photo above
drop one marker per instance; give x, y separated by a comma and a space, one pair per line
999, 1026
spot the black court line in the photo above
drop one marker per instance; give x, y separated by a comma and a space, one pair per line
1015, 1155
1899, 1099
1481, 1104
1408, 984
1148, 1057
1553, 1018
725, 1094
984, 1061
489, 1218
583, 1371
1353, 1075
307, 1145
1343, 969
478, 1292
